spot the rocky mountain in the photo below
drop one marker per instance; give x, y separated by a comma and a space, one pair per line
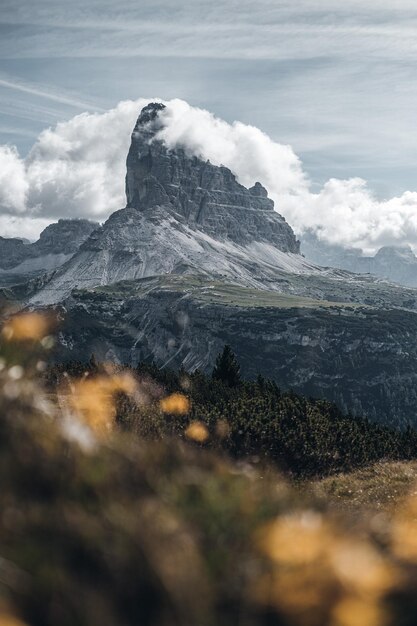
183, 215
362, 357
196, 260
397, 264
207, 197
20, 259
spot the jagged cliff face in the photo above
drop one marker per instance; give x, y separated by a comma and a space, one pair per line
56, 244
208, 197
183, 215
65, 236
196, 260
364, 358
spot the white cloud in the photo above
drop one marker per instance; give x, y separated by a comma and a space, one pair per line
77, 169
27, 227
344, 211
246, 150
13, 182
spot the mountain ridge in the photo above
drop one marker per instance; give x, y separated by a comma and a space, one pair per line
183, 215
397, 264
195, 260
361, 357
57, 243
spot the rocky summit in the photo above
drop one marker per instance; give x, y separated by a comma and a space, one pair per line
183, 215
20, 259
196, 260
208, 198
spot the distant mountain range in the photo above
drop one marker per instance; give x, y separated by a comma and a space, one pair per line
397, 264
21, 260
196, 260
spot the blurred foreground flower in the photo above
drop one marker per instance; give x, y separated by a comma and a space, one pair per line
32, 326
294, 538
8, 616
404, 531
177, 404
197, 432
94, 399
356, 612
222, 429
318, 575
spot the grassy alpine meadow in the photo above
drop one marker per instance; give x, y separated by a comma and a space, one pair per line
145, 496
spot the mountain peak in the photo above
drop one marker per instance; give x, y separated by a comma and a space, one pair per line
205, 196
183, 215
56, 243
148, 114
258, 190
395, 251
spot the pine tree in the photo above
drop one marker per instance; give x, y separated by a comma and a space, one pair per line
93, 364
227, 368
261, 382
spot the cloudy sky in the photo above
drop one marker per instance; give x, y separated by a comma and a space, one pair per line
335, 81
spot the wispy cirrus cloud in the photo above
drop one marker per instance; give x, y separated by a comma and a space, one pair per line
193, 28
200, 40
45, 93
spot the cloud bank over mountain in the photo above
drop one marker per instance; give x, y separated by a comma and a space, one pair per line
77, 169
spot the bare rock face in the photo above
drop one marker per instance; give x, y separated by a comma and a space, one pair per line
57, 242
183, 215
208, 197
12, 252
363, 358
65, 236
196, 260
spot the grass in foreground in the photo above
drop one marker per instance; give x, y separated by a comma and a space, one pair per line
381, 486
102, 525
